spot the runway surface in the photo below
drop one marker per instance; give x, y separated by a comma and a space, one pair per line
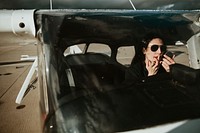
25, 118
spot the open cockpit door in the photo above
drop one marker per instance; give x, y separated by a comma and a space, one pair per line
81, 87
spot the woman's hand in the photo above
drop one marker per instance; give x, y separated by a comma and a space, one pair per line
152, 67
167, 61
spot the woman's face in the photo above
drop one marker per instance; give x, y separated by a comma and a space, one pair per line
154, 50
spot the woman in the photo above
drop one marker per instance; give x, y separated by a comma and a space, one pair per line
152, 60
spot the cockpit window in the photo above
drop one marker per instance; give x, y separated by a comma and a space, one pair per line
84, 48
79, 48
99, 48
181, 53
125, 55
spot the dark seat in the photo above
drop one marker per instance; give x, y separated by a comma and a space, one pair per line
185, 74
94, 70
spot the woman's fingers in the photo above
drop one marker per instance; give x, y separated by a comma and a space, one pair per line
165, 66
156, 63
152, 67
169, 60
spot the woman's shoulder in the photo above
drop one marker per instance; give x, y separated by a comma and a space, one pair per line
137, 66
135, 70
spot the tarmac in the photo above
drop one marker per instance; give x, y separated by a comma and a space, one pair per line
25, 118
15, 118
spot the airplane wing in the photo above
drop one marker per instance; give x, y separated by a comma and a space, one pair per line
103, 4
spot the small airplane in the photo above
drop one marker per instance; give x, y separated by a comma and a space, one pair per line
82, 83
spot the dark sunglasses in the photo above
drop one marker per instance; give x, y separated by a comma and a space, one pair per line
155, 47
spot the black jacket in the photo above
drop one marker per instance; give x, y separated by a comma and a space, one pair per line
139, 71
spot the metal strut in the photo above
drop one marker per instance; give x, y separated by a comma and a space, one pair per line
27, 82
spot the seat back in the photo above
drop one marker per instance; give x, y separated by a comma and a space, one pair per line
95, 70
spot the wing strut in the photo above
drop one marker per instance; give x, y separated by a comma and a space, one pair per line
26, 83
132, 4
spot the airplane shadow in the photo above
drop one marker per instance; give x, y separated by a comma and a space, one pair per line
1, 102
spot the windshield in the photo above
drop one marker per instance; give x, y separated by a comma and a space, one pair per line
87, 84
